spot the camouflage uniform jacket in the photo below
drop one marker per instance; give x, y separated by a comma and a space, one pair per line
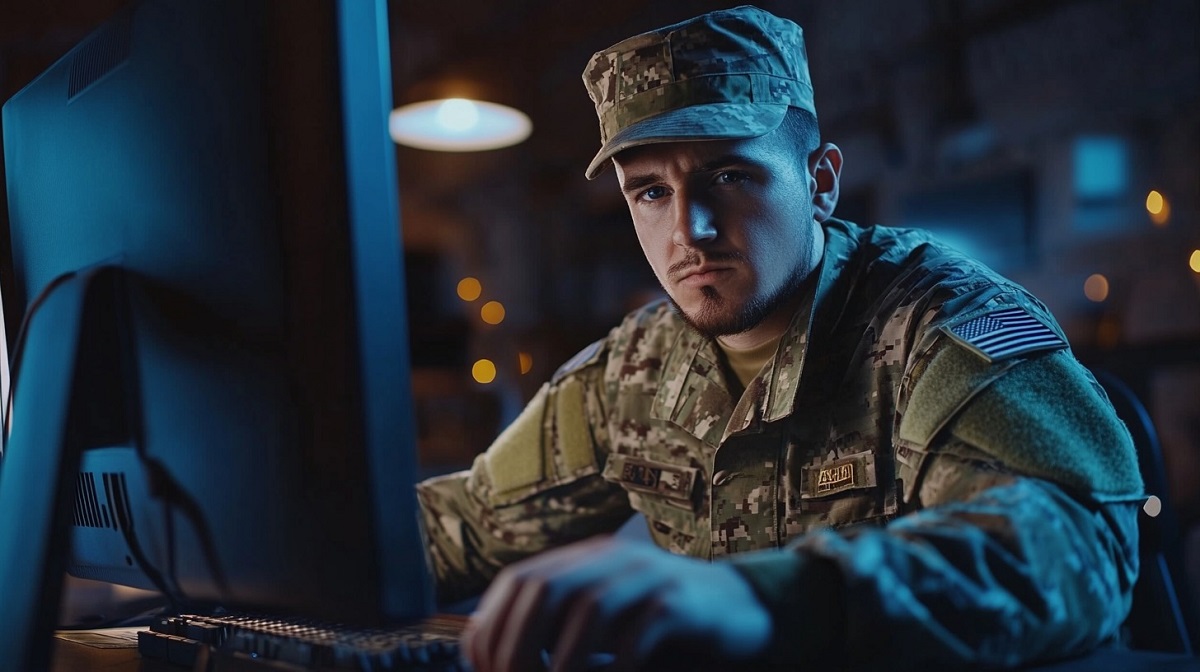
997, 488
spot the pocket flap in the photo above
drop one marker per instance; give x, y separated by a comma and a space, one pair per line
672, 481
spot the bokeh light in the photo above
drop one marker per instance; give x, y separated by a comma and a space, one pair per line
1095, 288
469, 289
1153, 506
1194, 261
492, 312
1158, 207
1154, 202
526, 362
484, 371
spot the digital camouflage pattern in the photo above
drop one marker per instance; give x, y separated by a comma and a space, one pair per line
726, 74
984, 550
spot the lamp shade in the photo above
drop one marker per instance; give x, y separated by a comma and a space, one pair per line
458, 125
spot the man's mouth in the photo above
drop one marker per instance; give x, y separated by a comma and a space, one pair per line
705, 274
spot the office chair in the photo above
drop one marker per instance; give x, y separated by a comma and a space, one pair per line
1157, 619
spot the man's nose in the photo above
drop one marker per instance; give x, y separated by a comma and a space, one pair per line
694, 224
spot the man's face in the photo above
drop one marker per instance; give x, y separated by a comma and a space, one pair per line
727, 225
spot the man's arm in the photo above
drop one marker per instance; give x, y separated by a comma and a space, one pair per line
537, 487
998, 570
1025, 544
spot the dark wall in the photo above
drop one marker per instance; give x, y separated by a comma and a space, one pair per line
1027, 131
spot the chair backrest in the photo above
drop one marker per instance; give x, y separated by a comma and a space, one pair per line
1157, 619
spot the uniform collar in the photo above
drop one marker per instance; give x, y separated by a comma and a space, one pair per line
694, 394
814, 317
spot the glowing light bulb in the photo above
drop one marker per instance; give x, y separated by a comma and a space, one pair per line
457, 115
484, 371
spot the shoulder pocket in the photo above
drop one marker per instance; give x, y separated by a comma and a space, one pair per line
548, 445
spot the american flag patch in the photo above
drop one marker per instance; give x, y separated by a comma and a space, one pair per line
1006, 333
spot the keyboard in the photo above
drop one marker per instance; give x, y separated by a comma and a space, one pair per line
237, 642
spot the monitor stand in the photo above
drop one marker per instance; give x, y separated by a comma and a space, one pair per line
78, 313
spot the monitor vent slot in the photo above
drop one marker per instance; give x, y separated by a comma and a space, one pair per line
101, 501
99, 56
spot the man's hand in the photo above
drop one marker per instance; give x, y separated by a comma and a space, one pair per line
631, 600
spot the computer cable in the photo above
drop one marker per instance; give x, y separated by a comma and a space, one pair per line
164, 488
19, 350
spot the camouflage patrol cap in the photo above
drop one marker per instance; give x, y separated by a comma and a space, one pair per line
722, 75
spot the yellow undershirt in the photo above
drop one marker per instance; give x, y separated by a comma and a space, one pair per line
747, 363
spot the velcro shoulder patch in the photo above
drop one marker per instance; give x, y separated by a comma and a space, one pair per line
548, 445
1004, 333
515, 461
950, 378
1048, 418
583, 358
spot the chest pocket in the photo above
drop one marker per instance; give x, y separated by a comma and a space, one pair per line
841, 491
666, 494
837, 490
840, 470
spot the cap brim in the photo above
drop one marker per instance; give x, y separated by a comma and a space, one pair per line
716, 121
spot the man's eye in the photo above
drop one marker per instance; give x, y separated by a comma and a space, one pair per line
653, 193
731, 177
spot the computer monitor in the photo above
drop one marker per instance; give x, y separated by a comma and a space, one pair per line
211, 392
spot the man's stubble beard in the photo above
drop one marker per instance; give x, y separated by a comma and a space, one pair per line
716, 317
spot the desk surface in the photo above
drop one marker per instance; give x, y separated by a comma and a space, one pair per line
76, 657
72, 656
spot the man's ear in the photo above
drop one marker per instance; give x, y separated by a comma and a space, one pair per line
825, 167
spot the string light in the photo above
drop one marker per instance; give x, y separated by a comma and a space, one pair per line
492, 312
469, 289
484, 371
1154, 202
1158, 207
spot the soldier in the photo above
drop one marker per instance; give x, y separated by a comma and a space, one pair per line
861, 448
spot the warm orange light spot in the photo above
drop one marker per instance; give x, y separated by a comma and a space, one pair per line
1095, 288
492, 312
1154, 202
526, 361
484, 371
469, 289
1194, 261
1158, 207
